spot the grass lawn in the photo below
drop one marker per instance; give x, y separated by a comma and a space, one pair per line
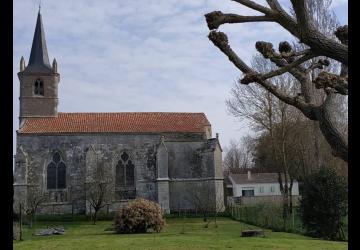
179, 233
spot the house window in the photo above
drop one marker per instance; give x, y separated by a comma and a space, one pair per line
248, 192
261, 189
125, 178
39, 87
56, 173
272, 189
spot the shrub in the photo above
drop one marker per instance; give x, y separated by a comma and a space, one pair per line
324, 204
138, 216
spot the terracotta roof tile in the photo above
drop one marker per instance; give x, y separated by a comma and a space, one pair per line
126, 122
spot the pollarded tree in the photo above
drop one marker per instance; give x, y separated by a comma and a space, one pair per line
293, 61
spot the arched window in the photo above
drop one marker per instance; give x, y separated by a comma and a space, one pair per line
125, 178
39, 87
56, 173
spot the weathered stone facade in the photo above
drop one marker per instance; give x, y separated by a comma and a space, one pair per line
167, 167
162, 163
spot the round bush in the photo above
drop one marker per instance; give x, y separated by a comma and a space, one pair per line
138, 216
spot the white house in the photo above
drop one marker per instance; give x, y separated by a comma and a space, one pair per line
256, 187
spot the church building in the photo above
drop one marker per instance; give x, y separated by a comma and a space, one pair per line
170, 158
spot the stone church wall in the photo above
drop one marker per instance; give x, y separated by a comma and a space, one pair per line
187, 161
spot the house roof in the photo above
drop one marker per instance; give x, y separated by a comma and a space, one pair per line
255, 178
125, 122
39, 59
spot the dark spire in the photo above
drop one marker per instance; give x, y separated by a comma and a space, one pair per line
39, 59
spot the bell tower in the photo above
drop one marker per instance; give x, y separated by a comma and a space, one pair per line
38, 80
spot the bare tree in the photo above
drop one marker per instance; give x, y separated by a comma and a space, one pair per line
325, 20
273, 118
237, 156
98, 186
35, 196
207, 201
290, 60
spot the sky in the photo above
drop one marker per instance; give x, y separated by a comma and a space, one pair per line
143, 56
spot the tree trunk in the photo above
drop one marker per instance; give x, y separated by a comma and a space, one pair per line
291, 197
95, 216
316, 134
30, 221
328, 128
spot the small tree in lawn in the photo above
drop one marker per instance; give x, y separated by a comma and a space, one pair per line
98, 190
324, 204
207, 201
35, 194
35, 197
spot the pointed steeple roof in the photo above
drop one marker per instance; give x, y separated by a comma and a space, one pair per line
39, 59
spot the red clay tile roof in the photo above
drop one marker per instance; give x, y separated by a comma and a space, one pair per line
127, 122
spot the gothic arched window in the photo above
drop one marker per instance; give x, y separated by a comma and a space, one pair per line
56, 173
125, 178
39, 87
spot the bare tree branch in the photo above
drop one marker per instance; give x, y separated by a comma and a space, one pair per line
254, 6
280, 71
329, 80
220, 40
320, 44
216, 18
302, 15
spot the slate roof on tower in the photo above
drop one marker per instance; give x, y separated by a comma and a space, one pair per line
39, 59
125, 122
